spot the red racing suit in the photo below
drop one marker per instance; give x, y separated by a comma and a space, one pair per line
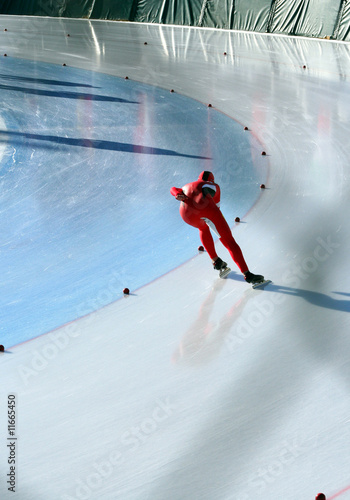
200, 209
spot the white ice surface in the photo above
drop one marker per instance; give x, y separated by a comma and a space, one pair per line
193, 388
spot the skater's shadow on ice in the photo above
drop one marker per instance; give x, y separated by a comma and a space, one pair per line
23, 138
343, 293
235, 277
315, 298
45, 81
66, 94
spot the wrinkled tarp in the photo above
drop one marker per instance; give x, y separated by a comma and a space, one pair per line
183, 12
312, 18
90, 9
343, 29
315, 18
243, 15
121, 10
251, 16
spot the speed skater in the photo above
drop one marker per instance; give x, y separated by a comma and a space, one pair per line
200, 202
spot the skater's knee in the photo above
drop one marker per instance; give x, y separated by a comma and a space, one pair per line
228, 241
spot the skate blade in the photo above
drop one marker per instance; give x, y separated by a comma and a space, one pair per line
262, 284
225, 272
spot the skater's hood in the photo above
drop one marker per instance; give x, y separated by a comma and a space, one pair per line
206, 176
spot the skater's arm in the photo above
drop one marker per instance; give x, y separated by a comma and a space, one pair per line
178, 193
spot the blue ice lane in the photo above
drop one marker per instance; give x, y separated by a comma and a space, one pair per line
85, 208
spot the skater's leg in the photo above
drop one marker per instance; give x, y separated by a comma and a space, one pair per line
207, 241
235, 252
223, 230
204, 233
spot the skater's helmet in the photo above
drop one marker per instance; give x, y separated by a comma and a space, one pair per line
206, 176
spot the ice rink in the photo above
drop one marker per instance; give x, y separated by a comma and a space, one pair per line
190, 387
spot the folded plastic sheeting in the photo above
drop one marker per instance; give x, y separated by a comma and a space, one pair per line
183, 12
68, 8
91, 9
342, 31
244, 15
251, 16
313, 18
50, 8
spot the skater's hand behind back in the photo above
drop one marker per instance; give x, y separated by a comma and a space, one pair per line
181, 196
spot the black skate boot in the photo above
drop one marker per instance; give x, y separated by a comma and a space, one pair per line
253, 278
221, 266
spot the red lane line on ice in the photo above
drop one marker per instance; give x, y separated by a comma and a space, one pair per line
336, 495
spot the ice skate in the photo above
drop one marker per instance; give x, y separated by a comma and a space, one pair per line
253, 278
221, 266
261, 284
256, 280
